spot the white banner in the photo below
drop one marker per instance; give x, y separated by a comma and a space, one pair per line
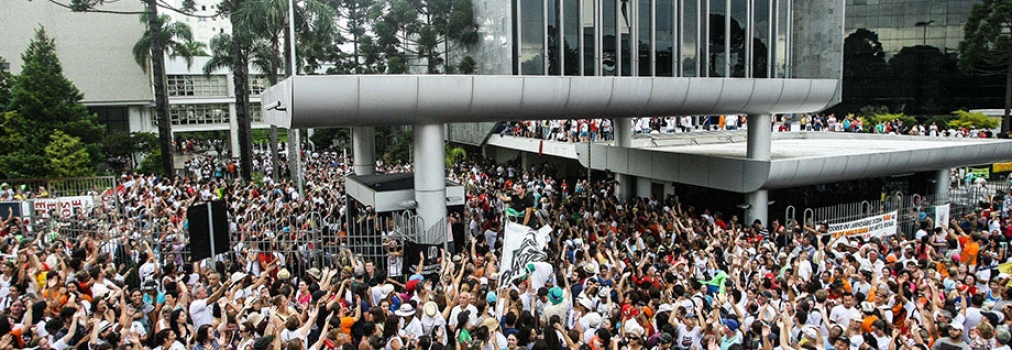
64, 207
942, 216
521, 245
873, 226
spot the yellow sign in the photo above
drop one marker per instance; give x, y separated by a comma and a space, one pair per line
1001, 167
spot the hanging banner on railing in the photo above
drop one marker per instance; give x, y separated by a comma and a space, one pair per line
64, 207
873, 226
942, 216
412, 254
521, 245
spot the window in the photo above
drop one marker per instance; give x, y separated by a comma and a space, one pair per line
197, 86
255, 114
257, 84
115, 119
199, 114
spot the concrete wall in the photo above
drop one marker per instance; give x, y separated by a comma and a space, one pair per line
94, 48
473, 134
818, 41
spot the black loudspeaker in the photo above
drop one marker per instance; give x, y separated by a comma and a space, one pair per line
206, 226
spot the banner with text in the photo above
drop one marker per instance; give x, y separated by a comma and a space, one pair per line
942, 216
874, 226
63, 207
521, 245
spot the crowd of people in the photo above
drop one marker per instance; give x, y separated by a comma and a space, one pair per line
644, 273
583, 130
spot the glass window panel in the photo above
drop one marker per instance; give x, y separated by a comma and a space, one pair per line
739, 38
589, 17
690, 38
665, 36
625, 27
571, 36
609, 31
532, 42
188, 114
554, 42
717, 59
761, 39
781, 36
645, 31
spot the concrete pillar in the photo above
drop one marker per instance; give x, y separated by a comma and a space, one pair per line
430, 179
233, 131
363, 143
623, 132
758, 207
644, 186
274, 153
759, 136
942, 186
758, 148
295, 159
625, 189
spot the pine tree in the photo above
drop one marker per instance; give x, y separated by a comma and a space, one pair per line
43, 101
66, 156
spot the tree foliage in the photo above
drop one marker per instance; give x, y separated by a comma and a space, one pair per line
177, 38
121, 148
987, 45
43, 100
66, 156
454, 155
972, 120
6, 80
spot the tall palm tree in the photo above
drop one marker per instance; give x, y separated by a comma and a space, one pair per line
268, 20
176, 37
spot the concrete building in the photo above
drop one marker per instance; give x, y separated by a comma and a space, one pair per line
95, 51
207, 24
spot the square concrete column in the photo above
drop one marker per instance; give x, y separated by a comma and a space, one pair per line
430, 180
363, 143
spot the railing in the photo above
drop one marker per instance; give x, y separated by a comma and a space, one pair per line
65, 187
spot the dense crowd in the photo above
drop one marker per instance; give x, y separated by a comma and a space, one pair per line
583, 130
646, 273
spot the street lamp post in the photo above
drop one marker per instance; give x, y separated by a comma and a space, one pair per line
924, 34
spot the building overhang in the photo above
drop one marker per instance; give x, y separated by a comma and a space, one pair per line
718, 159
323, 101
798, 158
394, 192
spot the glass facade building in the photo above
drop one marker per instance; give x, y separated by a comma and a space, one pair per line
663, 38
902, 23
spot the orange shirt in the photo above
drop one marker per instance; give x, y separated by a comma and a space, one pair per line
969, 253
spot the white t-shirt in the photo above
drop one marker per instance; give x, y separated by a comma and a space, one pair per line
200, 313
689, 339
842, 315
472, 320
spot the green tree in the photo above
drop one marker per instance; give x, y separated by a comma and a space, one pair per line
156, 53
66, 156
331, 139
986, 48
971, 120
150, 164
177, 38
467, 65
5, 84
454, 155
44, 100
122, 148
